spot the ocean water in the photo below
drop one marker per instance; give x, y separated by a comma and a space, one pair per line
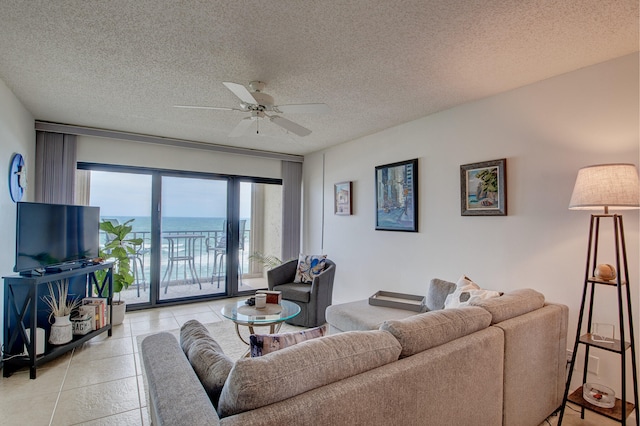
175, 224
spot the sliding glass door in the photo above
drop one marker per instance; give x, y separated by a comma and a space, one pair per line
203, 235
194, 237
123, 198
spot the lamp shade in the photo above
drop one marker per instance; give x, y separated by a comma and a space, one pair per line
606, 185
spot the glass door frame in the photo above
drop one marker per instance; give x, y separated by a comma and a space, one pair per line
233, 227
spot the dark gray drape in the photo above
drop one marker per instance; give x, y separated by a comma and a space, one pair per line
291, 208
55, 167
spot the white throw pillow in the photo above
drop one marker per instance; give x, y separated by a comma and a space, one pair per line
465, 292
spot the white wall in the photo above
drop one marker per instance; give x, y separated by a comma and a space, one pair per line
17, 135
547, 131
116, 151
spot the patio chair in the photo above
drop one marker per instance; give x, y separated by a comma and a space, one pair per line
218, 245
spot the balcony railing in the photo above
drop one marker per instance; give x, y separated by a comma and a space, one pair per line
187, 258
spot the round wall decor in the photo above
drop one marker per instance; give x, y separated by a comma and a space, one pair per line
17, 178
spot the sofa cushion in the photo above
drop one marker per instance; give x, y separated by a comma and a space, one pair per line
206, 357
437, 293
192, 331
211, 366
262, 344
511, 304
298, 292
257, 382
309, 266
424, 331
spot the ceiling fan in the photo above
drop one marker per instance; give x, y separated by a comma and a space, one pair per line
260, 105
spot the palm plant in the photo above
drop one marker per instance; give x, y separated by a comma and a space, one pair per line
267, 260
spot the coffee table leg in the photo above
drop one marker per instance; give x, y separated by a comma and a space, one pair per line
240, 335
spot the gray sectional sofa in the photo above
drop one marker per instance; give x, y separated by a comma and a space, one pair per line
500, 363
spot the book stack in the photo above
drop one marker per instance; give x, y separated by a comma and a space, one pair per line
96, 307
274, 297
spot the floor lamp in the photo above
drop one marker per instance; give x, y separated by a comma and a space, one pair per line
604, 187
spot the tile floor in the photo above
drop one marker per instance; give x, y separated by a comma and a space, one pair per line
100, 383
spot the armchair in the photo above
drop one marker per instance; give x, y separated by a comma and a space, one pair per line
312, 298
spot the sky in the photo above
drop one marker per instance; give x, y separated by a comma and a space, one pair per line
129, 194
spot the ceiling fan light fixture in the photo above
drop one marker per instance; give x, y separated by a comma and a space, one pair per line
257, 103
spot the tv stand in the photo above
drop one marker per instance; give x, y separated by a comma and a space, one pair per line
25, 310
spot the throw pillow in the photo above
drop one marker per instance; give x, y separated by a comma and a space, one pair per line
466, 292
437, 293
309, 266
262, 344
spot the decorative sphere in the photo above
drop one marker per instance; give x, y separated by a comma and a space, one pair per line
605, 272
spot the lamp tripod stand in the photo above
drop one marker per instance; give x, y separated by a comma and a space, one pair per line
622, 409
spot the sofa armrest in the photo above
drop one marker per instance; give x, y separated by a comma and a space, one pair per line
282, 274
176, 396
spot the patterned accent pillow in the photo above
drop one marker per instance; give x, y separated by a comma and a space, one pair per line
308, 267
467, 292
262, 344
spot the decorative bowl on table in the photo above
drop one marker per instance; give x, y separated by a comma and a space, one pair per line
599, 395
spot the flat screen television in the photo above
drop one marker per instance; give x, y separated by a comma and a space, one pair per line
49, 235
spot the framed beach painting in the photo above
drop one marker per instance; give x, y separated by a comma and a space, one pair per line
483, 188
397, 196
342, 198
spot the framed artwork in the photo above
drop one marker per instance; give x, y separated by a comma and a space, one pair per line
483, 188
342, 198
397, 196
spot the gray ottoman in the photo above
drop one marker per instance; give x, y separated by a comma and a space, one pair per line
360, 315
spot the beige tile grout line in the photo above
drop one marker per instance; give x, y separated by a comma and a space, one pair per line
55, 406
134, 342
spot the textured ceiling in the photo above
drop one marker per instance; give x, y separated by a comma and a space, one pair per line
122, 65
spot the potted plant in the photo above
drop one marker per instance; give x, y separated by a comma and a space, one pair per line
269, 261
120, 248
61, 306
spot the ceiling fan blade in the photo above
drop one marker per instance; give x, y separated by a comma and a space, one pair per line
290, 126
206, 107
303, 108
242, 127
241, 92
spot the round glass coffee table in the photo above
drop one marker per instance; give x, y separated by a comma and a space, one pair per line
271, 316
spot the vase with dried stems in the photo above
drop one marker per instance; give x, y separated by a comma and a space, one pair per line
61, 306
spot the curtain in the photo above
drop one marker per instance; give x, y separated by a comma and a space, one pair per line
291, 208
55, 167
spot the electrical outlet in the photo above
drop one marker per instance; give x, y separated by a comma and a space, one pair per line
594, 362
594, 365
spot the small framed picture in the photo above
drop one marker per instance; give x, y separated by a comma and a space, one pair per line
397, 196
342, 198
483, 188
